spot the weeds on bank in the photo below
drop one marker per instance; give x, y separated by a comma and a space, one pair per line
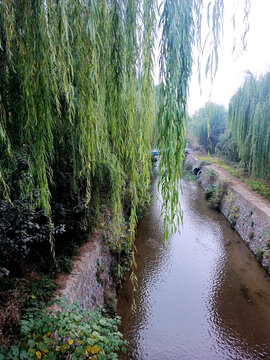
187, 173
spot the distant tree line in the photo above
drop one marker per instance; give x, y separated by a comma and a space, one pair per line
242, 135
249, 124
207, 124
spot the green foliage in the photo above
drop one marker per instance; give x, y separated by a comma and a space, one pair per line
122, 253
77, 93
209, 191
176, 65
233, 215
248, 123
258, 185
22, 228
211, 174
260, 254
39, 292
208, 123
214, 194
77, 96
227, 147
187, 174
266, 235
72, 332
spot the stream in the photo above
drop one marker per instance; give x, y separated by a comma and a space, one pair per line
203, 297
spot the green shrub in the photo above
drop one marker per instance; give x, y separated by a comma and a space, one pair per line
72, 333
39, 292
122, 253
214, 194
233, 215
260, 254
209, 191
211, 173
63, 264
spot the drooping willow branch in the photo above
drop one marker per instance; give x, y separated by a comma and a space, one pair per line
79, 82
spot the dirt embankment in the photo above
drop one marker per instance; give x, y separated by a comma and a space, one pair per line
246, 210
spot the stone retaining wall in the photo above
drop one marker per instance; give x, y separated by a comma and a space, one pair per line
90, 281
245, 215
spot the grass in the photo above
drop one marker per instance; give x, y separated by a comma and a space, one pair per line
257, 185
187, 175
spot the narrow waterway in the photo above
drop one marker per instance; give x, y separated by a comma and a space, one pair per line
202, 298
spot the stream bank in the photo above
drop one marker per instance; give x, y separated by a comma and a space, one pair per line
247, 212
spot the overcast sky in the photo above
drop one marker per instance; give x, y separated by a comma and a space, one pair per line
232, 68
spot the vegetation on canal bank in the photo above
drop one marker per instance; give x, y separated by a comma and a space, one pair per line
255, 184
72, 333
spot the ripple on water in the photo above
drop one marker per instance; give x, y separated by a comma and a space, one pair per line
194, 300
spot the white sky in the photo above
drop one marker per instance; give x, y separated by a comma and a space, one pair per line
232, 68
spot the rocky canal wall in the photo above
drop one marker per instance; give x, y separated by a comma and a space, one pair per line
90, 281
248, 212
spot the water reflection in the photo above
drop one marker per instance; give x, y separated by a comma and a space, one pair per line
204, 297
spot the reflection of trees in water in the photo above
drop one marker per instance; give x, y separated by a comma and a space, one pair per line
152, 255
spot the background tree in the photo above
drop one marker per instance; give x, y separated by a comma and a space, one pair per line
208, 124
249, 124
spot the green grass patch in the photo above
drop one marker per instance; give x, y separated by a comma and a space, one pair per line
187, 175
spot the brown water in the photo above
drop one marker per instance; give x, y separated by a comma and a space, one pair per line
202, 298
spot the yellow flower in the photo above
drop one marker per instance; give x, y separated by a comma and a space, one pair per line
38, 354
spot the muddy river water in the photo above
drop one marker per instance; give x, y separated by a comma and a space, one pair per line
202, 298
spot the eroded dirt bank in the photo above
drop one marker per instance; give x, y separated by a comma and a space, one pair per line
246, 210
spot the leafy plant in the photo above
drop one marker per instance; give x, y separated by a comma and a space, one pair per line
72, 332
22, 228
39, 292
211, 173
209, 191
260, 254
122, 253
233, 215
215, 193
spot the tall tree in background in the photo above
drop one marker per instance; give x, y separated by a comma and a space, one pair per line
249, 124
208, 124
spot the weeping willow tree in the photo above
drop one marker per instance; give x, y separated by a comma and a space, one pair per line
249, 124
77, 97
208, 124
